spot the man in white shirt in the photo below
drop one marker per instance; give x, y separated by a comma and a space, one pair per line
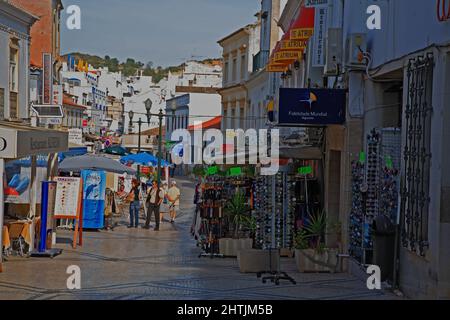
173, 196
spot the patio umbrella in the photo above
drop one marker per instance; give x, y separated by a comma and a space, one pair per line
93, 162
116, 150
145, 159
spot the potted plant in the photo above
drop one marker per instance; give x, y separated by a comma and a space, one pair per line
237, 211
311, 254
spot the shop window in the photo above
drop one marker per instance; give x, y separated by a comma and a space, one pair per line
234, 71
243, 66
415, 192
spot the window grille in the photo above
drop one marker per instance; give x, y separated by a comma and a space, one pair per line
417, 155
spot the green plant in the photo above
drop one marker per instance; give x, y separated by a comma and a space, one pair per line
301, 241
198, 171
237, 209
250, 224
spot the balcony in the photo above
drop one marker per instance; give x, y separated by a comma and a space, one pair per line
260, 60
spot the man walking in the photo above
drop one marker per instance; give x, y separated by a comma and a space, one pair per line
173, 196
154, 199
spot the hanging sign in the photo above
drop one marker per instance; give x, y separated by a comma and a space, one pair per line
213, 170
389, 163
320, 21
305, 170
311, 106
235, 171
362, 157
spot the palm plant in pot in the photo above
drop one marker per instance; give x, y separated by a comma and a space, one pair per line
237, 211
311, 254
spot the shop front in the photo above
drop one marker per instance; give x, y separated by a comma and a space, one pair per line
28, 156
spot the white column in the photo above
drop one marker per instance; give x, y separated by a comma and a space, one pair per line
237, 120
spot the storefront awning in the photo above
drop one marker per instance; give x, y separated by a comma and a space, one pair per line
301, 153
293, 43
19, 141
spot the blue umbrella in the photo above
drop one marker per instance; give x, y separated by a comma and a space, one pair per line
143, 158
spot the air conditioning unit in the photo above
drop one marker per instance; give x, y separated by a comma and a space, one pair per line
333, 51
356, 44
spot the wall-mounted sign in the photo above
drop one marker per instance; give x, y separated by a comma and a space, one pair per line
320, 20
315, 3
47, 78
299, 107
443, 10
76, 136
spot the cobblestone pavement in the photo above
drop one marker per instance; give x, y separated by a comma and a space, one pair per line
144, 264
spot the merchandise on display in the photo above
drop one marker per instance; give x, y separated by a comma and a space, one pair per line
375, 189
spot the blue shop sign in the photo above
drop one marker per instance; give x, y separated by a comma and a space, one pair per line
311, 106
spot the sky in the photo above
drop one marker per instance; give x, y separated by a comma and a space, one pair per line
166, 32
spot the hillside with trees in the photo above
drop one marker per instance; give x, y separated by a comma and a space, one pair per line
130, 67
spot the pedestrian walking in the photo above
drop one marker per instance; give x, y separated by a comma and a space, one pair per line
165, 204
135, 205
173, 196
154, 199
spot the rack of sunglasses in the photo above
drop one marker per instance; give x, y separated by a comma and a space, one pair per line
375, 189
262, 211
274, 208
359, 242
212, 214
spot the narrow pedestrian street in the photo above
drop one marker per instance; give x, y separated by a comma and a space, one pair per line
138, 264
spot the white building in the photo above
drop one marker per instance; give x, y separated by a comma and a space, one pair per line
239, 48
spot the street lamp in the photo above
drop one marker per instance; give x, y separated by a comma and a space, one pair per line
148, 106
131, 115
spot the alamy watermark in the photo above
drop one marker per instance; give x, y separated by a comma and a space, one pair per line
210, 147
74, 279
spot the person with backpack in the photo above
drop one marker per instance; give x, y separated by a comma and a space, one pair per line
155, 197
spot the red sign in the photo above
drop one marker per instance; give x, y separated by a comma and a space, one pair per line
85, 123
443, 10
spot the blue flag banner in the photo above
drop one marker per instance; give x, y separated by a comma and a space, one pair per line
311, 107
94, 189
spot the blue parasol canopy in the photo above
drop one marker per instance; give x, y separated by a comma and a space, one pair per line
145, 159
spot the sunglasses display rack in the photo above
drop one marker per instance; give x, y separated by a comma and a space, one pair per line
375, 189
372, 174
212, 214
262, 211
291, 205
357, 226
273, 198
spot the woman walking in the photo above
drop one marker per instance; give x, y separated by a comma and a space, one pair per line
135, 204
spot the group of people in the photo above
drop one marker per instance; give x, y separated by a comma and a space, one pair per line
156, 198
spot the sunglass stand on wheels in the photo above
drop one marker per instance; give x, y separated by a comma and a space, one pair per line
273, 211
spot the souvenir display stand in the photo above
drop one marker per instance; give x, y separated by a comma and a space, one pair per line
212, 214
375, 190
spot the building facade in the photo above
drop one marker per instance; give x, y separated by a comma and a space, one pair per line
239, 48
15, 38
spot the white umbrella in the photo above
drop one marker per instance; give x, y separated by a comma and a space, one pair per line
94, 162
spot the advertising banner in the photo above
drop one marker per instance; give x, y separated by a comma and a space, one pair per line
318, 59
47, 81
300, 107
94, 189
